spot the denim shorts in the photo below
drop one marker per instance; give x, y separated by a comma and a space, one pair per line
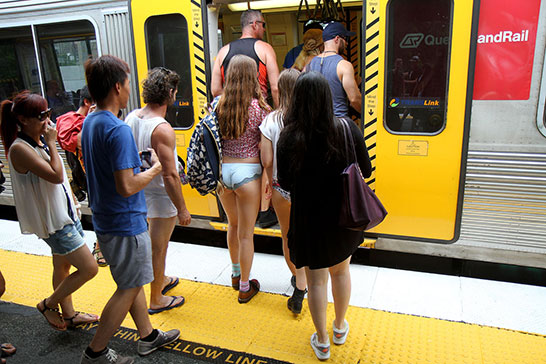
66, 240
234, 175
129, 258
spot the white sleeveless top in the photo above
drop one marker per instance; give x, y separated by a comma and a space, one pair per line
142, 132
41, 205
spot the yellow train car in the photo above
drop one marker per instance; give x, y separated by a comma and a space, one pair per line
453, 98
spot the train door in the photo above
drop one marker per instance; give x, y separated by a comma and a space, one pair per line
170, 34
417, 98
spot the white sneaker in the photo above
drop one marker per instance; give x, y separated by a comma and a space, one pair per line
322, 351
162, 339
109, 357
340, 336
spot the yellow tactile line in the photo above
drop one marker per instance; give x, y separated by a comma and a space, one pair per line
264, 327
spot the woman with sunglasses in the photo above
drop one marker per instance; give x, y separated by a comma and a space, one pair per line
44, 203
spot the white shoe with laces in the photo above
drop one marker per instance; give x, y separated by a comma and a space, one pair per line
340, 336
110, 357
322, 351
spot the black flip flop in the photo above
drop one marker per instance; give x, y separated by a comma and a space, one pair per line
173, 283
153, 311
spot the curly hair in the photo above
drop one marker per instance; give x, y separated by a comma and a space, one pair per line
157, 87
312, 41
240, 88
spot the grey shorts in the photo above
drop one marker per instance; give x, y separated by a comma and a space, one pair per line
129, 258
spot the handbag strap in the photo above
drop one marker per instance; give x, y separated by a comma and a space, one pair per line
347, 135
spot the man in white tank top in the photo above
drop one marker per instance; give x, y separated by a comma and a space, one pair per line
164, 198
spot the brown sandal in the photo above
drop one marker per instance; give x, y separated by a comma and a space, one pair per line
70, 320
56, 310
7, 349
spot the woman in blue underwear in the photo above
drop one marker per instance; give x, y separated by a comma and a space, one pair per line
240, 111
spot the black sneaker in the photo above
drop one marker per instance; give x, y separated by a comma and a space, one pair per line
295, 302
266, 219
162, 339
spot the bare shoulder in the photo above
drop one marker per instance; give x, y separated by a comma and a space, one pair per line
264, 48
222, 53
163, 132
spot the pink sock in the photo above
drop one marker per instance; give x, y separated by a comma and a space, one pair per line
244, 286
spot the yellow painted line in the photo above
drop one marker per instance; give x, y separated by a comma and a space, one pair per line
268, 232
264, 327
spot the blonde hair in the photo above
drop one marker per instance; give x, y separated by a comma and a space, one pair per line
240, 88
312, 40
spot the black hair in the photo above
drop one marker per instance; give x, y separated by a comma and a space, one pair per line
103, 73
85, 95
310, 119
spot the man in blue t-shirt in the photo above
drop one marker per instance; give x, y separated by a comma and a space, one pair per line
115, 184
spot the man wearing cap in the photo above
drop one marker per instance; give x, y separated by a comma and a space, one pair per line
250, 44
338, 71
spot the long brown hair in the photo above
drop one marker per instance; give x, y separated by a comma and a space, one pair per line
240, 88
24, 104
286, 83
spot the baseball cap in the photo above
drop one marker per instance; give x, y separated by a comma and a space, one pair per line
334, 29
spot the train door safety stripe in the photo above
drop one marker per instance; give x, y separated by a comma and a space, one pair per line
371, 79
352, 51
199, 57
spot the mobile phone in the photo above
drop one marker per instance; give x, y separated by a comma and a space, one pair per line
146, 159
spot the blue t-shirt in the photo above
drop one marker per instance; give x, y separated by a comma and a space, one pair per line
292, 55
108, 146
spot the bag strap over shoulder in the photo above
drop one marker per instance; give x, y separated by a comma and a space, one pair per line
348, 135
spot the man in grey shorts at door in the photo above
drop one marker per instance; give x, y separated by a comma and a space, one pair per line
115, 186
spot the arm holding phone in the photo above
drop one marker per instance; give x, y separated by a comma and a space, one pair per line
128, 183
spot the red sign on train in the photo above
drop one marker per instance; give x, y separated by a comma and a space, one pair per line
506, 48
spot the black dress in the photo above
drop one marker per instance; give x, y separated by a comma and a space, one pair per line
314, 238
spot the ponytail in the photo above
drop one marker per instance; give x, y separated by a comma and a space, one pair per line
8, 124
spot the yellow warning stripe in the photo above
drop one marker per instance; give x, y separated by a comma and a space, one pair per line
199, 57
371, 78
264, 328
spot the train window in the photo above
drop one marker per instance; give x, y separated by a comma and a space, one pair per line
418, 43
64, 48
19, 69
167, 46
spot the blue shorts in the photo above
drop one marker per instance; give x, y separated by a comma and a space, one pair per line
66, 240
234, 175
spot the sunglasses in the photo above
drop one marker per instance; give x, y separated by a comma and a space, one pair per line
44, 114
262, 22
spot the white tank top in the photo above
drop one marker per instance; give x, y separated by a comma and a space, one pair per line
41, 206
142, 132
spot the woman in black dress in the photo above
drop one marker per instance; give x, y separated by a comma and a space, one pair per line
311, 156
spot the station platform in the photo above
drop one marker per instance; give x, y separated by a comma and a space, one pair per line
395, 316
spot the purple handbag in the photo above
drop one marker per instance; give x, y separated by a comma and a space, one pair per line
360, 207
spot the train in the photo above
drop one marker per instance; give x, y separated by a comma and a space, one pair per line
453, 101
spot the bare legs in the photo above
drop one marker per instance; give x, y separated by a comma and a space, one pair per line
317, 280
65, 283
282, 209
130, 300
241, 207
160, 233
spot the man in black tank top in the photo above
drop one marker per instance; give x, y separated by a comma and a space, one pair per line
251, 45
